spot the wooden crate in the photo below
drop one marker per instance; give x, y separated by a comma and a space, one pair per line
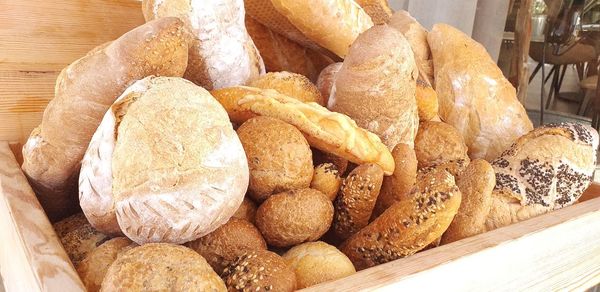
556, 251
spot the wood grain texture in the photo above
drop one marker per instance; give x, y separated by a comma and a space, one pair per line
37, 39
31, 256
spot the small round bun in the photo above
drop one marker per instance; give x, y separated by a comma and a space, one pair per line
93, 268
438, 143
224, 245
161, 267
294, 217
78, 237
246, 211
291, 84
317, 262
278, 156
259, 270
327, 180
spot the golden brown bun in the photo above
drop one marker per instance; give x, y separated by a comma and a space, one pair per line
381, 100
327, 180
93, 268
320, 157
325, 130
547, 169
327, 79
161, 267
427, 100
229, 98
278, 156
222, 246
474, 96
78, 237
317, 262
84, 92
246, 211
407, 226
282, 54
221, 53
259, 270
379, 10
190, 186
294, 217
475, 184
354, 205
438, 143
398, 186
291, 84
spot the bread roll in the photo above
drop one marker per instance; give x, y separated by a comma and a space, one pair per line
246, 211
398, 186
356, 200
282, 54
407, 226
427, 100
222, 54
475, 184
278, 156
93, 268
259, 270
327, 79
229, 98
327, 180
53, 152
161, 267
291, 84
78, 237
547, 169
474, 96
438, 144
376, 86
190, 187
294, 217
320, 157
317, 262
222, 246
327, 131
379, 10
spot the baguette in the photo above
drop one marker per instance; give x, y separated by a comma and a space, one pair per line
82, 95
379, 10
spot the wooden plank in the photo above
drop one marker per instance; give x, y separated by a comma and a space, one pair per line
31, 256
559, 251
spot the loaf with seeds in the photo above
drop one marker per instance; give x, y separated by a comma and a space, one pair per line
259, 270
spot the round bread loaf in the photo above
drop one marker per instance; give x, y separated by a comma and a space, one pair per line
78, 237
93, 268
291, 84
161, 267
278, 156
438, 143
259, 270
317, 262
408, 225
358, 194
294, 217
246, 211
165, 165
327, 79
327, 180
224, 245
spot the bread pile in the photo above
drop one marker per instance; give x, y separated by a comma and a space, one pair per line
195, 170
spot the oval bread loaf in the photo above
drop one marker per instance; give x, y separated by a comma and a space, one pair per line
259, 270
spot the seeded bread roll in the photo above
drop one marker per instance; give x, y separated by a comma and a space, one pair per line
327, 180
475, 184
222, 246
327, 79
259, 270
317, 262
379, 10
93, 268
278, 156
294, 217
320, 157
398, 186
356, 200
438, 143
291, 84
407, 226
78, 237
161, 267
547, 169
246, 211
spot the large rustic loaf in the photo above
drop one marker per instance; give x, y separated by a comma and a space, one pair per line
84, 91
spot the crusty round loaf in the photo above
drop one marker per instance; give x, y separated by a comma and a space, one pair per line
147, 171
294, 217
278, 156
438, 143
327, 79
222, 246
246, 211
317, 262
398, 186
291, 84
408, 225
259, 270
475, 184
356, 200
161, 267
93, 268
327, 180
78, 237
546, 169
